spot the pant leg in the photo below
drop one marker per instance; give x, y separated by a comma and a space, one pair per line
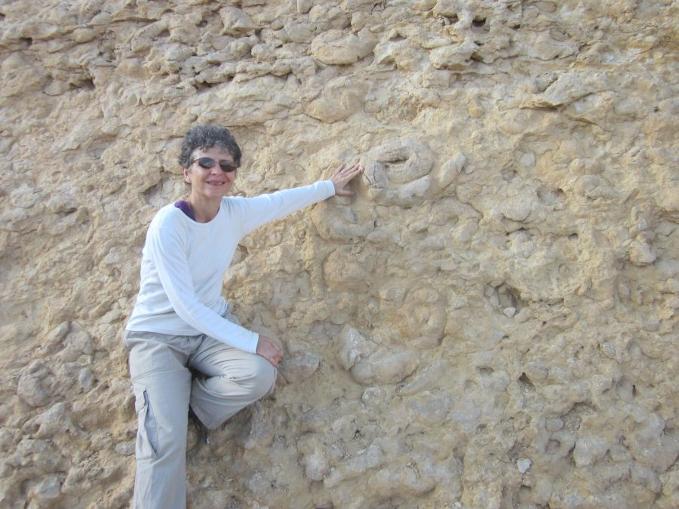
232, 379
162, 387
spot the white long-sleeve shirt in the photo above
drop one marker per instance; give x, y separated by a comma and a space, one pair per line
183, 264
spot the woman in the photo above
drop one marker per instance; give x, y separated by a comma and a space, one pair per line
181, 324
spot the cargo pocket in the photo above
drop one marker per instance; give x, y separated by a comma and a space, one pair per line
147, 437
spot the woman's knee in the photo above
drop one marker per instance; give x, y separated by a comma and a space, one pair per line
256, 378
263, 377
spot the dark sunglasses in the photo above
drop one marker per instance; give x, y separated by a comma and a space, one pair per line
208, 162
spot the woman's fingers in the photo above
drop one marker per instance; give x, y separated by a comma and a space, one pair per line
353, 171
343, 176
348, 168
350, 172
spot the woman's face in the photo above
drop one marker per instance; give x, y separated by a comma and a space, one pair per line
210, 183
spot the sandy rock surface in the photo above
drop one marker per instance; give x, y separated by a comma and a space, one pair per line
490, 322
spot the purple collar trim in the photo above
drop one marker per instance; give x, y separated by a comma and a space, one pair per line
185, 207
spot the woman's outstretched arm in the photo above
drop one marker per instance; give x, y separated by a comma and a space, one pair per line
265, 208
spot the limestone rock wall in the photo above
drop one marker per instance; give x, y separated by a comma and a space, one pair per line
491, 322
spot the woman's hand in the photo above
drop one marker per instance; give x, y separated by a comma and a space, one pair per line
343, 176
271, 351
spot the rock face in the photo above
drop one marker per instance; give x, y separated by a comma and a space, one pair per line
491, 322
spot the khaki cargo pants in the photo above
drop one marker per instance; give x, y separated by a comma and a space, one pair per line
164, 388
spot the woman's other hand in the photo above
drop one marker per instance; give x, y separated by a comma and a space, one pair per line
271, 351
343, 176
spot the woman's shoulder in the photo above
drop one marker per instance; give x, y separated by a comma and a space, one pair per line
234, 198
167, 216
232, 203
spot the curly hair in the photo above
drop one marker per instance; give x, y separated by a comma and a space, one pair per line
208, 136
